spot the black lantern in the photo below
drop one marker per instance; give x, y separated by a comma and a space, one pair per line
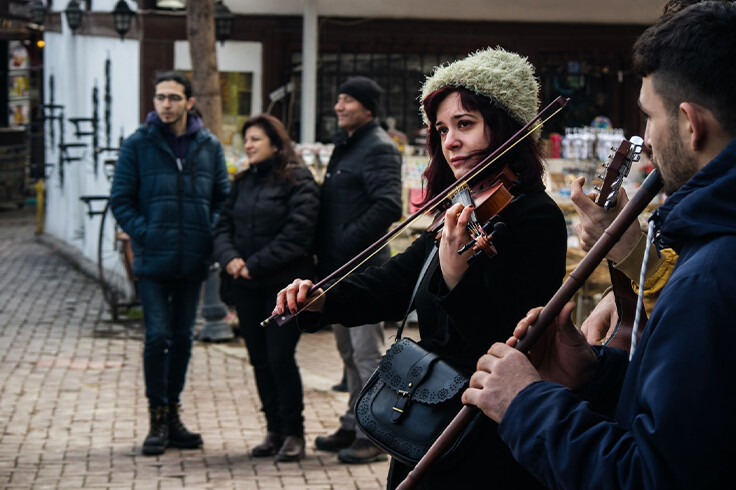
73, 14
223, 22
121, 17
38, 12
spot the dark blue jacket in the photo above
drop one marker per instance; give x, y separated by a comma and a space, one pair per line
673, 425
169, 213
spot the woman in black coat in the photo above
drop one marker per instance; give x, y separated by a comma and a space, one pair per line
263, 239
471, 107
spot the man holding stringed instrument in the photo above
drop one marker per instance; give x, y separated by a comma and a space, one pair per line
626, 257
578, 416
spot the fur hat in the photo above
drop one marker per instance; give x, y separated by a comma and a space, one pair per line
504, 77
364, 90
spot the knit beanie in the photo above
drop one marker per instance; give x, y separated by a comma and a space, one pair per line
504, 77
364, 90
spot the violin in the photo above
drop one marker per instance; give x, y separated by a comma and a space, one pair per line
488, 197
476, 178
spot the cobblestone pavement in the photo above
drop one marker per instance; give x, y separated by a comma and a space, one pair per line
72, 406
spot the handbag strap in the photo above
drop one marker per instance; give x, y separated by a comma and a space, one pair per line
427, 261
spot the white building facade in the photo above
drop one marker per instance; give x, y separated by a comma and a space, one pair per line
289, 56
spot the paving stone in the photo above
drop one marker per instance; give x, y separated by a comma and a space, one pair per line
72, 399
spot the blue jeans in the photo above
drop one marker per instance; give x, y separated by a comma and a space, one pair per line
169, 312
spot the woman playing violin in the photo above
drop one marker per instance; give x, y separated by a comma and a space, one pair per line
471, 107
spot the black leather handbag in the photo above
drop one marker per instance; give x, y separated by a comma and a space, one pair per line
410, 398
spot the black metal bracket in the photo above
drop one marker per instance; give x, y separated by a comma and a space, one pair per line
77, 121
64, 157
88, 200
55, 112
64, 149
93, 132
108, 166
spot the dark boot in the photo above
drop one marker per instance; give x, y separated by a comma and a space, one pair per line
360, 452
341, 439
342, 386
269, 446
292, 449
158, 437
180, 436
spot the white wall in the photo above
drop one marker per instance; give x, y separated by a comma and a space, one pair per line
77, 64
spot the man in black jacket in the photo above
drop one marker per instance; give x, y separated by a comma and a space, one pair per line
361, 197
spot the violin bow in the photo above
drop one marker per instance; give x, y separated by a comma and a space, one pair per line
649, 188
552, 109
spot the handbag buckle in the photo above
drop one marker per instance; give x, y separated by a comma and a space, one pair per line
402, 399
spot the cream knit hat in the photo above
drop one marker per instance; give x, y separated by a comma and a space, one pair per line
500, 75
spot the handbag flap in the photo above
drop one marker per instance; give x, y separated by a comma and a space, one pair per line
407, 366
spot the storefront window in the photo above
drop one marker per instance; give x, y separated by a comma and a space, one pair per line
237, 94
400, 75
19, 81
594, 84
236, 89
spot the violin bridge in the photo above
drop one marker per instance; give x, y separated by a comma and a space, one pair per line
460, 193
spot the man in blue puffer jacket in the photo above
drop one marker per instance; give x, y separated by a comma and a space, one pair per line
170, 182
584, 417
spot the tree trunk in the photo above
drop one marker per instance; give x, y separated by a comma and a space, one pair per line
205, 75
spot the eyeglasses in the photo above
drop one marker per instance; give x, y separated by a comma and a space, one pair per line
172, 98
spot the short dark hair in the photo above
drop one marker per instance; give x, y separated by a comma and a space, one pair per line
525, 159
285, 158
178, 77
690, 55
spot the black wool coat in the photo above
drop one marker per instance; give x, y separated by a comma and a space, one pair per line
360, 197
270, 224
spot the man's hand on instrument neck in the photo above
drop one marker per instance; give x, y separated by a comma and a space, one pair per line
594, 220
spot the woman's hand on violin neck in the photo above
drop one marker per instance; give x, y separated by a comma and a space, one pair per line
295, 297
454, 236
235, 266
